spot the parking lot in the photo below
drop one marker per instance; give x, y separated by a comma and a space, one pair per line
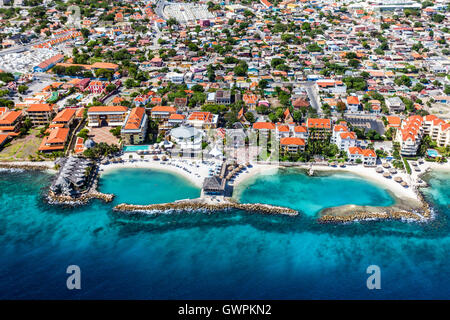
368, 123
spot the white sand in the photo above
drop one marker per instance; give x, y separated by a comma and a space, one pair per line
186, 168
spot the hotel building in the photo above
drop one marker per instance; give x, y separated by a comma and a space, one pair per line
40, 114
135, 128
107, 116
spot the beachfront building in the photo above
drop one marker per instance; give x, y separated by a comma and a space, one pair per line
437, 129
135, 128
342, 137
319, 128
10, 123
73, 176
214, 185
186, 138
264, 128
410, 135
292, 145
41, 113
203, 120
55, 141
368, 157
109, 116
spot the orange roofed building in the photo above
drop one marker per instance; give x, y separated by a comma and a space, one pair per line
40, 113
292, 144
318, 128
135, 128
203, 120
63, 119
56, 141
110, 116
10, 122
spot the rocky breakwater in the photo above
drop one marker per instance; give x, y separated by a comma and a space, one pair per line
414, 211
80, 200
204, 206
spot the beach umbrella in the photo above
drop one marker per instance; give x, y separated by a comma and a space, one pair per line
404, 184
386, 175
393, 171
386, 165
155, 157
164, 158
380, 170
398, 179
342, 165
247, 164
414, 164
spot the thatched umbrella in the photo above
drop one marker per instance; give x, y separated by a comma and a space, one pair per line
386, 175
155, 157
229, 176
342, 165
379, 170
393, 171
247, 164
164, 158
386, 165
420, 161
414, 164
398, 179
404, 184
417, 168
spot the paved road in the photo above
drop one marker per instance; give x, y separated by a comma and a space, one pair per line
313, 98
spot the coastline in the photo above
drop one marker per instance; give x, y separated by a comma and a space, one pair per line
29, 165
409, 203
156, 165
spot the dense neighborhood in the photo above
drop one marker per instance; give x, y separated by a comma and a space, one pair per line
336, 81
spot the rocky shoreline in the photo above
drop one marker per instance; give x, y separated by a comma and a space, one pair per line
204, 206
35, 167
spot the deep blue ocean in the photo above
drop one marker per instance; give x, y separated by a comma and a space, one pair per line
232, 255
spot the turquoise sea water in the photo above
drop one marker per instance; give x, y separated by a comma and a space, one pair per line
226, 255
295, 189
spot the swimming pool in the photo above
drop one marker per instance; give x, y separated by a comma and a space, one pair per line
432, 153
135, 148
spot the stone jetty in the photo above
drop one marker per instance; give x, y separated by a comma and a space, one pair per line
205, 206
81, 200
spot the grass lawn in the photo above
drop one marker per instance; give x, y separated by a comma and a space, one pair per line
21, 148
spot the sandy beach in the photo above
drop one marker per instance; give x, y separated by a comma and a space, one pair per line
194, 171
368, 173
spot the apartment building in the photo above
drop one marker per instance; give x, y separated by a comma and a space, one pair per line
410, 135
319, 128
437, 129
41, 113
109, 116
135, 128
292, 145
10, 122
